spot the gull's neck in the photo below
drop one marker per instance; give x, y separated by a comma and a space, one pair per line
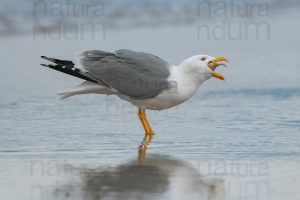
189, 74
187, 80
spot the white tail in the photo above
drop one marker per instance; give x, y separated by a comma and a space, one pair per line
85, 88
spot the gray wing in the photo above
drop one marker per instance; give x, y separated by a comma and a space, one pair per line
136, 74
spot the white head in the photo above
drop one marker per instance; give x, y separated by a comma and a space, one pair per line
203, 66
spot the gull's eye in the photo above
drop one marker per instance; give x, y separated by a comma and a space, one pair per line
203, 58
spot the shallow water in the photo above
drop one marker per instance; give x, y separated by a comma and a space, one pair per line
237, 139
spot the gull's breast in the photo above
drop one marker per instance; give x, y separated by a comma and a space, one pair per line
180, 89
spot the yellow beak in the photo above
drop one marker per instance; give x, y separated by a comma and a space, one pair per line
219, 76
220, 59
214, 64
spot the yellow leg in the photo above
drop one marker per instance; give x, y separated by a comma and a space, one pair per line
140, 114
150, 130
149, 133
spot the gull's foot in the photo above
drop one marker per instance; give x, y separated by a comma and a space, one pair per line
151, 133
147, 139
148, 134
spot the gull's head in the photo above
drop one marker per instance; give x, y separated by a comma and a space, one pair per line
205, 65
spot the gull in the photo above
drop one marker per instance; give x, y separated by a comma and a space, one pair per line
143, 79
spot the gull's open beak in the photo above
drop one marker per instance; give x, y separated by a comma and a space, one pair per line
215, 63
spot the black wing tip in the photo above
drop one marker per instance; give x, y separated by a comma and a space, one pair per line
45, 57
49, 59
71, 71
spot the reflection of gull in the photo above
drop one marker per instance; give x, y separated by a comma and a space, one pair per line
143, 79
157, 177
